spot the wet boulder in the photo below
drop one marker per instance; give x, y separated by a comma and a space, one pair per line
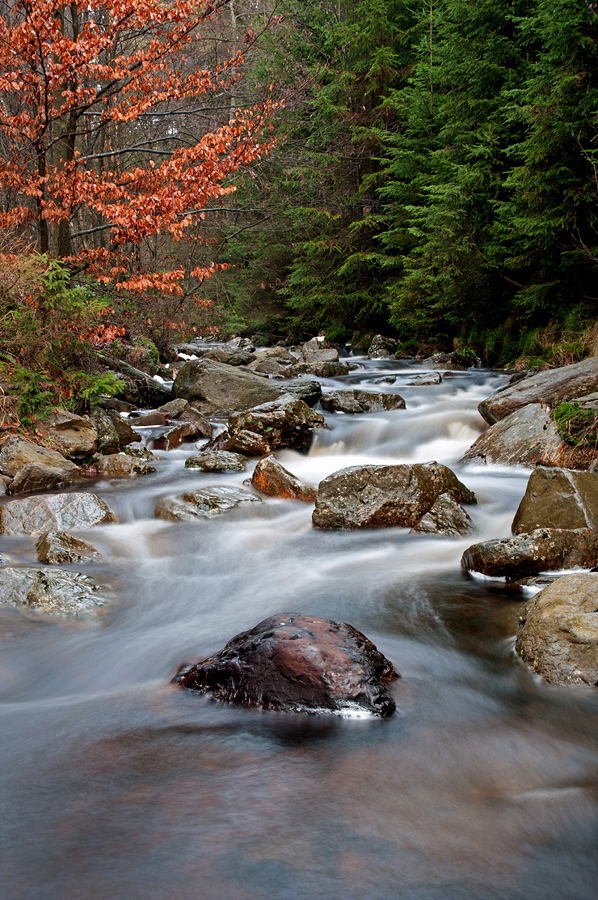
305, 389
542, 550
217, 461
121, 465
108, 440
446, 517
385, 496
52, 594
56, 512
558, 498
558, 631
315, 351
70, 434
202, 504
357, 401
382, 347
297, 663
285, 422
272, 479
59, 547
37, 477
182, 432
526, 437
216, 388
324, 369
551, 386
123, 428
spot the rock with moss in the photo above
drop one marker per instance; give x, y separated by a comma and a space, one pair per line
526, 437
285, 422
558, 631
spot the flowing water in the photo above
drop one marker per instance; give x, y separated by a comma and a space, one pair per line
117, 786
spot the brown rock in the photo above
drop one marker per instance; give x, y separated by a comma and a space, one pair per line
173, 408
174, 437
108, 439
246, 442
152, 419
558, 631
18, 452
120, 465
551, 386
216, 461
58, 547
558, 498
70, 434
297, 663
384, 496
285, 422
272, 479
125, 433
37, 477
546, 549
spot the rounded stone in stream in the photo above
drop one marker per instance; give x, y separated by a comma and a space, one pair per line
297, 663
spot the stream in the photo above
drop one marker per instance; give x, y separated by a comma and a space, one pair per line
118, 786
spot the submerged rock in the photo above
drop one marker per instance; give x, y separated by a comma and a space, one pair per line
217, 461
57, 512
385, 496
297, 663
558, 498
545, 549
202, 504
526, 437
558, 631
55, 594
272, 479
357, 401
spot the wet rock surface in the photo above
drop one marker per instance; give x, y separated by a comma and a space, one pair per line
551, 386
285, 422
558, 631
545, 549
357, 401
54, 594
202, 504
558, 498
271, 478
297, 663
526, 437
57, 512
385, 496
58, 547
121, 465
217, 461
37, 477
182, 432
219, 389
446, 517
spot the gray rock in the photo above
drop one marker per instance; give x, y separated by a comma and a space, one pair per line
558, 631
57, 512
123, 428
219, 389
52, 594
423, 379
216, 461
558, 498
174, 408
121, 465
108, 438
315, 352
526, 437
202, 504
384, 496
18, 452
182, 432
280, 354
285, 422
446, 517
304, 388
326, 369
542, 550
37, 477
268, 367
357, 401
552, 386
382, 347
58, 547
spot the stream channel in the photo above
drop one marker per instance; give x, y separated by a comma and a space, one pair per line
118, 786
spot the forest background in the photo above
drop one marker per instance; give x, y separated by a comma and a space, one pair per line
427, 171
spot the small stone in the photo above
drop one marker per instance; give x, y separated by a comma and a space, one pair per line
272, 479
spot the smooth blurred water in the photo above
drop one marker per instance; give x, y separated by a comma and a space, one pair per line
117, 786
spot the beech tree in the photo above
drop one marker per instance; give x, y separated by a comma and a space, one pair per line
101, 142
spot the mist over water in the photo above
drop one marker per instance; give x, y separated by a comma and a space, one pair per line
117, 785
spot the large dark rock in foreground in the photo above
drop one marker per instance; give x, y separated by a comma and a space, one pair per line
558, 631
558, 498
297, 663
552, 386
385, 496
542, 550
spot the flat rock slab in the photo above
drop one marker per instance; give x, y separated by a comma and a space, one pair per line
57, 512
216, 388
558, 498
297, 663
385, 496
202, 504
271, 478
357, 401
217, 461
52, 594
551, 386
526, 437
543, 550
558, 631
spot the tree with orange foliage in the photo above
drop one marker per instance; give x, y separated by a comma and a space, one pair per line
101, 147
